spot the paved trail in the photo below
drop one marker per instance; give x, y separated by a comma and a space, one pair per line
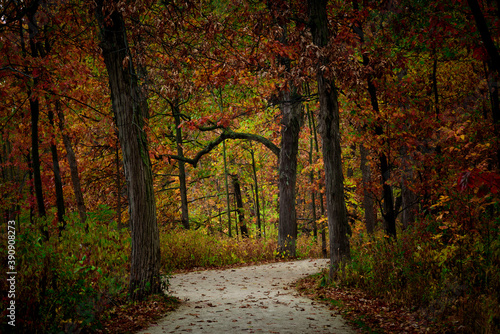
255, 299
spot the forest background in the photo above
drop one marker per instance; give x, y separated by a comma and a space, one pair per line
143, 137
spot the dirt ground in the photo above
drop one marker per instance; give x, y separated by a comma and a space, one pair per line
256, 299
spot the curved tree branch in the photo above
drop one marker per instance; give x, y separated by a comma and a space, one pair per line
228, 134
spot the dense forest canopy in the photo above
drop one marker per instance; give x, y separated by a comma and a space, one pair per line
346, 121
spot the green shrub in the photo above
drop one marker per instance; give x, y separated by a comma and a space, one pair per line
63, 284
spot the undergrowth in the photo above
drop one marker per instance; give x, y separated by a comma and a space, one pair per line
188, 249
65, 283
448, 276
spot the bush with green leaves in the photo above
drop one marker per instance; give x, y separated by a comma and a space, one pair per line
62, 284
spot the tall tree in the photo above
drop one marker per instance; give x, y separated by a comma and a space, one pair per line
37, 50
291, 121
130, 113
182, 167
329, 129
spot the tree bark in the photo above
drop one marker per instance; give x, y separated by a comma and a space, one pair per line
129, 109
329, 129
291, 110
239, 205
182, 168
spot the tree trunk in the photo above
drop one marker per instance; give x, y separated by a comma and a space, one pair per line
118, 187
291, 110
329, 129
368, 203
129, 109
73, 167
228, 202
182, 168
35, 47
493, 64
57, 177
312, 129
239, 205
257, 202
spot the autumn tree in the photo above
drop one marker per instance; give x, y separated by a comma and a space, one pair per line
131, 112
291, 122
329, 129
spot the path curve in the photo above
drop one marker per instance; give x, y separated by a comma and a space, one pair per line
255, 299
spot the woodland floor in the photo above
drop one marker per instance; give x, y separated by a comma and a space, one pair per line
253, 299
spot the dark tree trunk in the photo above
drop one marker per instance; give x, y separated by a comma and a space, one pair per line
312, 128
182, 168
493, 64
130, 113
291, 110
37, 175
73, 167
239, 205
61, 211
35, 47
291, 122
329, 129
368, 203
257, 202
228, 202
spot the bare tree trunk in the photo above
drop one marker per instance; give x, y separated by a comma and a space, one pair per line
329, 129
73, 167
130, 113
291, 110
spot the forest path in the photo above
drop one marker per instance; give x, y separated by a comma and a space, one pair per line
254, 299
